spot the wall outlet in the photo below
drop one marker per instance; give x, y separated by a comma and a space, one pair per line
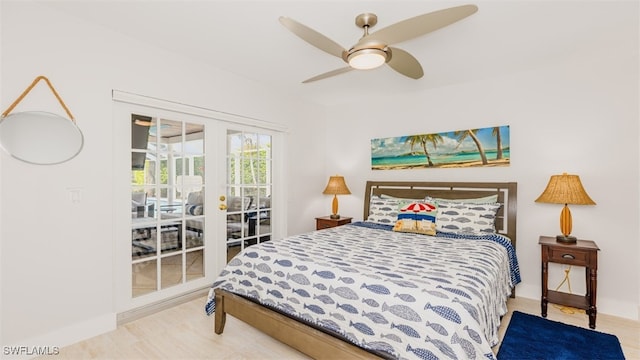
75, 195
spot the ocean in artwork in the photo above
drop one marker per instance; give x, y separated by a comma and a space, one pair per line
421, 159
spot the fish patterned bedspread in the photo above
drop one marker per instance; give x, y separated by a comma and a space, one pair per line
400, 294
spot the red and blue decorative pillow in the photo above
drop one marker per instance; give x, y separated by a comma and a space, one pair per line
417, 217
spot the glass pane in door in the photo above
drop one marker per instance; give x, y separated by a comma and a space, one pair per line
167, 197
249, 187
144, 277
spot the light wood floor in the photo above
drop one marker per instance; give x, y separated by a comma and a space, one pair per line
185, 332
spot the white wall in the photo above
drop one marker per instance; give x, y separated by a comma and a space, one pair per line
579, 115
57, 257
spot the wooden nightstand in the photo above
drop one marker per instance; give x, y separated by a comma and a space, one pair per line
582, 253
326, 222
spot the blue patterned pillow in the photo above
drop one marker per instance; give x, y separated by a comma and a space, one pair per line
384, 210
467, 218
194, 210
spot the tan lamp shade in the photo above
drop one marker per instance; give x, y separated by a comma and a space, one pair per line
336, 186
565, 189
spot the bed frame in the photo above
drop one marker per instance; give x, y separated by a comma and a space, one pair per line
320, 345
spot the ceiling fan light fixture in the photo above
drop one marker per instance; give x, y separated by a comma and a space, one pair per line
143, 122
365, 59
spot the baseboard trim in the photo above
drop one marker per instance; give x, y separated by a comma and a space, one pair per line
146, 310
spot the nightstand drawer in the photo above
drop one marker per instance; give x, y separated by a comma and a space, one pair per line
327, 222
569, 256
324, 224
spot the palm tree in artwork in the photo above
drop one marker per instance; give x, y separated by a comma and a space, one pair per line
463, 134
496, 133
423, 139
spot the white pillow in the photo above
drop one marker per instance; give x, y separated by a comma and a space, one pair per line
481, 200
195, 198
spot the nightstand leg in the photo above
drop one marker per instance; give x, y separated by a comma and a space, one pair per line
544, 301
592, 317
592, 283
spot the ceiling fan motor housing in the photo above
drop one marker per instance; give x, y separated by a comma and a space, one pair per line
377, 52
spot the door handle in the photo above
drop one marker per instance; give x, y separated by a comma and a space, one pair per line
222, 206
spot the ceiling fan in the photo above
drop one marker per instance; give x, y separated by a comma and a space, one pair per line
373, 50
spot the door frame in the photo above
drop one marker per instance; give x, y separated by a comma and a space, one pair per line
216, 125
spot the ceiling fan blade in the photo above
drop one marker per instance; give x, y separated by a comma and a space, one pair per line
404, 63
312, 37
422, 24
329, 74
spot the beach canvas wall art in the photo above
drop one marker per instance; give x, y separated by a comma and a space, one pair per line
463, 148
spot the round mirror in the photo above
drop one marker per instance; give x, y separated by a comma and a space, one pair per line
40, 138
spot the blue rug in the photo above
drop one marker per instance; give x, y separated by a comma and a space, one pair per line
534, 337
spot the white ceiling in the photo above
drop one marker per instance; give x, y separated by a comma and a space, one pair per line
246, 38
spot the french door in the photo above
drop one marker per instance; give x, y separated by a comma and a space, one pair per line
191, 191
168, 189
249, 189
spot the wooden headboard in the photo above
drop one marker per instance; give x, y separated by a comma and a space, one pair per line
506, 191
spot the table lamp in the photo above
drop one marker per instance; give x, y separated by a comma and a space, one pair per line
565, 189
335, 187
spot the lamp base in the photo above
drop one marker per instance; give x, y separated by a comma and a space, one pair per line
566, 239
334, 216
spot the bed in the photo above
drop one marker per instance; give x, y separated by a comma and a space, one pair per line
364, 290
